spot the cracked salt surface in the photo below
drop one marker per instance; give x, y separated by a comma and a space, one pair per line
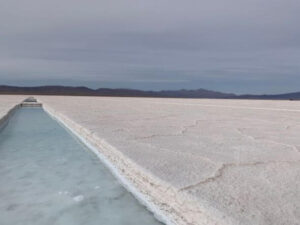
48, 177
203, 161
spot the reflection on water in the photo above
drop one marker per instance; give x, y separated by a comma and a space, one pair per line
48, 177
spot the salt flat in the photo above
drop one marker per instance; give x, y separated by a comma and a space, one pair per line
201, 161
239, 159
7, 102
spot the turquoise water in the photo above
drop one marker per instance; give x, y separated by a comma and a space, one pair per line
47, 177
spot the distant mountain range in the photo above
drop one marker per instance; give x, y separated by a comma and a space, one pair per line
84, 91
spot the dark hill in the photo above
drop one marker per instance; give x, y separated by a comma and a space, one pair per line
84, 91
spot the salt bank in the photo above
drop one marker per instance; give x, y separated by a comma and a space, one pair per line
189, 161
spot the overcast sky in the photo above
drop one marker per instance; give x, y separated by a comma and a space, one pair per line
241, 46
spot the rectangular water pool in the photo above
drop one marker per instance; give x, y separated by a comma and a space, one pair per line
48, 177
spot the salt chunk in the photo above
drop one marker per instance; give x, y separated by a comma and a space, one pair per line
78, 198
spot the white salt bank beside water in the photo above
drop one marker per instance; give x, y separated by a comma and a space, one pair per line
201, 161
49, 177
217, 162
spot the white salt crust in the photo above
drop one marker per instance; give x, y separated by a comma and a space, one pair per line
201, 161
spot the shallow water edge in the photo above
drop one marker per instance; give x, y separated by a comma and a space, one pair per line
142, 199
14, 150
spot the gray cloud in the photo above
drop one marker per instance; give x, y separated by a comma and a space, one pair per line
236, 46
